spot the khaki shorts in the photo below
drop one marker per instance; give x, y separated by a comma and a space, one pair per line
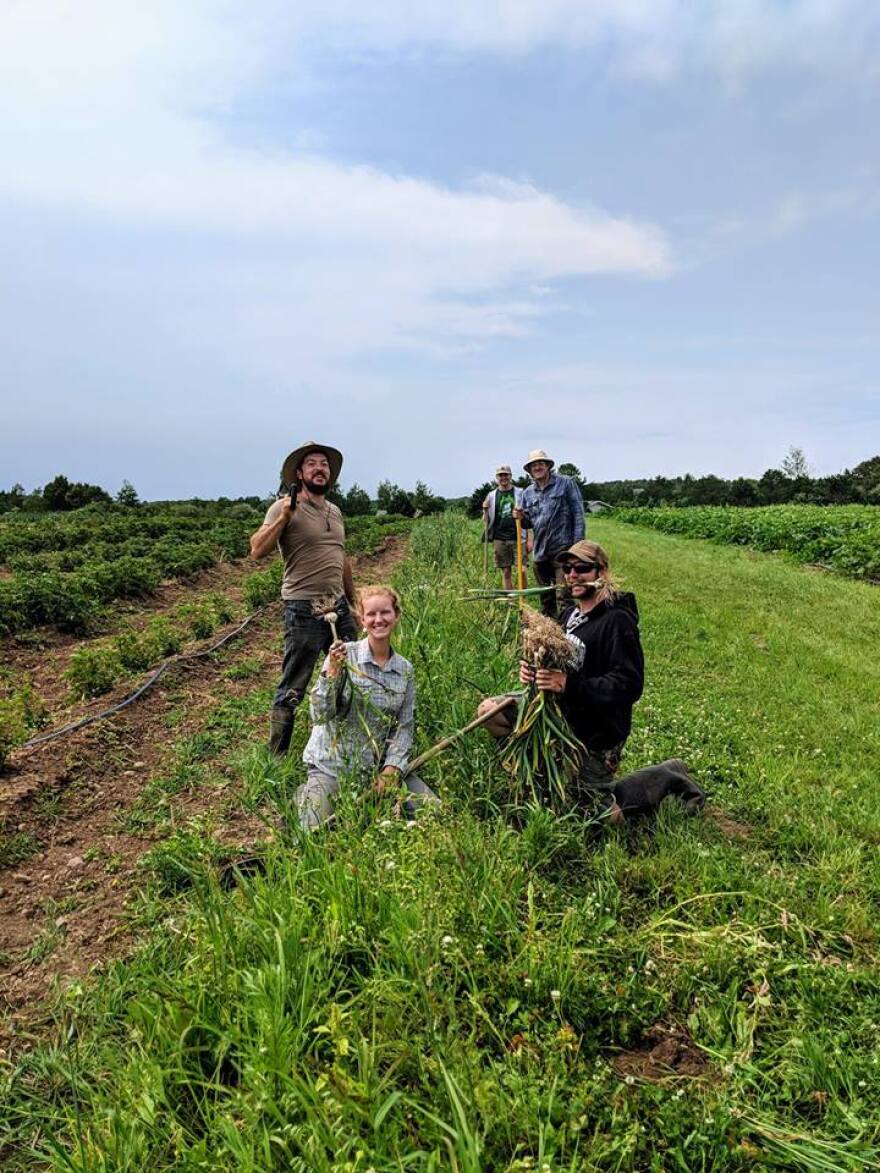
505, 554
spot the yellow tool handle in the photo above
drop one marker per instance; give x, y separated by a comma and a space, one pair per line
520, 569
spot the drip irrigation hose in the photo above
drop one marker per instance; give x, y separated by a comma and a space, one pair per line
172, 662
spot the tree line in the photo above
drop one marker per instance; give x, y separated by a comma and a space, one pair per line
61, 495
791, 483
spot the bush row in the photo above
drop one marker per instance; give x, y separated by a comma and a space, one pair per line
95, 668
845, 538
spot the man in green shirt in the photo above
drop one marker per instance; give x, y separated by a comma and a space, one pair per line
499, 524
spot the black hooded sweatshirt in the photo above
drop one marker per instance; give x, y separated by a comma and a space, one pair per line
598, 698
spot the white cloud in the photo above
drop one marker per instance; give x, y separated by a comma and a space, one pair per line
114, 111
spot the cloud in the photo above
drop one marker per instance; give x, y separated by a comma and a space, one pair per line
123, 124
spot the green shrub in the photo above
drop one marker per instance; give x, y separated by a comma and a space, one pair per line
93, 670
13, 727
162, 639
199, 617
133, 650
224, 610
263, 586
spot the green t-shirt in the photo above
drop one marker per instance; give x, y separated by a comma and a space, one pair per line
505, 527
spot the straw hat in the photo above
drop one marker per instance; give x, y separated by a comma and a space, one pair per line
537, 454
295, 459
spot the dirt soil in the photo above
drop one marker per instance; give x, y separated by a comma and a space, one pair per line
666, 1053
62, 909
42, 654
729, 826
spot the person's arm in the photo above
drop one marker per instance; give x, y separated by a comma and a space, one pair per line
399, 744
623, 683
265, 539
577, 512
348, 588
522, 511
324, 696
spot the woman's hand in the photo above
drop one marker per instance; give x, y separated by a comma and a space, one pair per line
547, 679
387, 779
551, 680
336, 659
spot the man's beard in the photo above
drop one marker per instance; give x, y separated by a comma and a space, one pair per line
318, 488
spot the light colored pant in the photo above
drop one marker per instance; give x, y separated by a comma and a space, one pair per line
314, 799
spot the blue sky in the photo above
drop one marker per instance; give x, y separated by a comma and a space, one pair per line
642, 234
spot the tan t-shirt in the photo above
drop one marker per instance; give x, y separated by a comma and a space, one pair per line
312, 545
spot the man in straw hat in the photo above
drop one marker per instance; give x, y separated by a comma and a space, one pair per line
552, 508
499, 523
309, 533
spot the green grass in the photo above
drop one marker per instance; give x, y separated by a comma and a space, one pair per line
450, 995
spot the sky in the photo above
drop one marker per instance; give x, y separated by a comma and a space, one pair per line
641, 234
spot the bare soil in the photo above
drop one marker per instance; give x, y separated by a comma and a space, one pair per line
63, 908
729, 826
666, 1053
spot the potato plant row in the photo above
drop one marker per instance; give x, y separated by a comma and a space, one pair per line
844, 538
65, 575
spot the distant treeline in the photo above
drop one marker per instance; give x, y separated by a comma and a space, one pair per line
61, 495
790, 484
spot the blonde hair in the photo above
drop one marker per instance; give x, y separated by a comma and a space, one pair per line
611, 582
389, 592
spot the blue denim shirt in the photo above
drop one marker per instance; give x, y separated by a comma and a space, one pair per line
555, 514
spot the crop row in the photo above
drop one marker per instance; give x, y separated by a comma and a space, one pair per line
844, 538
68, 586
36, 534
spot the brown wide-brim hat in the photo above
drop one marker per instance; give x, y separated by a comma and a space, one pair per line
295, 459
582, 551
537, 454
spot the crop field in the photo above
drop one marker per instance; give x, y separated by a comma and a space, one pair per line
61, 574
843, 538
60, 570
188, 988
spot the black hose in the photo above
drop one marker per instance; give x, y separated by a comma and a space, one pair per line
138, 693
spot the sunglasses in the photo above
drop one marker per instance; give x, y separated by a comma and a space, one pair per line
580, 567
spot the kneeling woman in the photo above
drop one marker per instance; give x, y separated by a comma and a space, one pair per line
363, 709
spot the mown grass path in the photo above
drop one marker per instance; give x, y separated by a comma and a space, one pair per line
473, 994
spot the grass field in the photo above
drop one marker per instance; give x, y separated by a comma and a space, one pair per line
463, 994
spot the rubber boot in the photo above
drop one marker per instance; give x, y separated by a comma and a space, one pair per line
280, 729
641, 792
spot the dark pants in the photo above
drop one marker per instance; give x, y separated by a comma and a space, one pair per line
306, 637
548, 572
594, 785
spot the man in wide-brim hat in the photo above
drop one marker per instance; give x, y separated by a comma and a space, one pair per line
552, 509
309, 533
